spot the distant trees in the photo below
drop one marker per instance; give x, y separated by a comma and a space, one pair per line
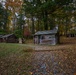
20, 24
3, 18
39, 14
45, 12
14, 7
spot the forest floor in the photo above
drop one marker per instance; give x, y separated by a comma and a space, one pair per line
56, 60
30, 59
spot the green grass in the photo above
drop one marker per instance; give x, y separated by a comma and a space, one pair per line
15, 59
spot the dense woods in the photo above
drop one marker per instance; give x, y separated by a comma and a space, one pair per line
25, 17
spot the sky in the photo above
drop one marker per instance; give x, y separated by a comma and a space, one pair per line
3, 2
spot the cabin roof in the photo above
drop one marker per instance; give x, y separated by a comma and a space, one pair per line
7, 35
54, 31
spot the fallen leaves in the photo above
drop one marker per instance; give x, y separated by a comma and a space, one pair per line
21, 60
74, 73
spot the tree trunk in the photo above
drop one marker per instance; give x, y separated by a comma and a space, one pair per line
45, 20
58, 37
66, 27
33, 27
38, 25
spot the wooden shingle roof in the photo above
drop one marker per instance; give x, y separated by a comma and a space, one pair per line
54, 31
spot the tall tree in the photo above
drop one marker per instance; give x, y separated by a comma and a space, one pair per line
14, 7
3, 17
30, 9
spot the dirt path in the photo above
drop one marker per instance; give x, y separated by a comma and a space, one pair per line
54, 63
57, 47
55, 60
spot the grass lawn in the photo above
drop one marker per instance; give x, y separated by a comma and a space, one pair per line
15, 59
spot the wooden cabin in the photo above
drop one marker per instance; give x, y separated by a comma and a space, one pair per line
46, 37
9, 38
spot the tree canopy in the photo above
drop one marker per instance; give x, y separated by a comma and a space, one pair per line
46, 11
40, 15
